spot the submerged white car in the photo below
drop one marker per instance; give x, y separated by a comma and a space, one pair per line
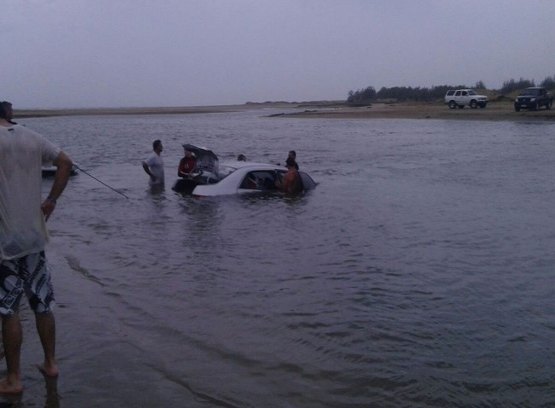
247, 178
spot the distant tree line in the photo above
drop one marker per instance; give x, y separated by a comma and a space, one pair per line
402, 93
512, 85
399, 93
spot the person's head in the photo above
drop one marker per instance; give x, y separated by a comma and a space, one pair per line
6, 110
188, 153
157, 146
241, 157
292, 155
290, 163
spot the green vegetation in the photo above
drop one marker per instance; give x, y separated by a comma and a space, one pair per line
362, 96
368, 95
512, 85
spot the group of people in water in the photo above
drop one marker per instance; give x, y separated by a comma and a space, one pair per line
290, 183
23, 265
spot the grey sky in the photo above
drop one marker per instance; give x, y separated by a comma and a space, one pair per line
115, 53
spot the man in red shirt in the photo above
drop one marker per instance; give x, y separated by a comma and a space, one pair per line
187, 164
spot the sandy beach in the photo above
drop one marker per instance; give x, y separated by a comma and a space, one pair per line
502, 111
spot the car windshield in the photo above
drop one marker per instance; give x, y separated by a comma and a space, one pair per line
532, 92
225, 171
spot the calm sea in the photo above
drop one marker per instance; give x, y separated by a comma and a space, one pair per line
419, 273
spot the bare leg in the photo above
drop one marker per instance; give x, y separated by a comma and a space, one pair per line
12, 337
46, 327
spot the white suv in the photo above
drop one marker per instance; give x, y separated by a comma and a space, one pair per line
465, 97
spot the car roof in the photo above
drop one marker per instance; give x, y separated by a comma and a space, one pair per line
243, 164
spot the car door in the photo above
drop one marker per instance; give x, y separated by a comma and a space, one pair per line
464, 98
259, 181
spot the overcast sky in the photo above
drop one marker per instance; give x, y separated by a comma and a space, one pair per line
118, 53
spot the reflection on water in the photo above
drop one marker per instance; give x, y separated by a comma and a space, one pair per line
417, 273
52, 396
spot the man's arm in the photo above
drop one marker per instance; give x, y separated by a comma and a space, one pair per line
181, 168
63, 171
147, 169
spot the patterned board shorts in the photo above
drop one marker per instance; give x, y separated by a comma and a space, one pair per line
28, 275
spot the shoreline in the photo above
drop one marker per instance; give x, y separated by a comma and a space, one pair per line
495, 111
37, 113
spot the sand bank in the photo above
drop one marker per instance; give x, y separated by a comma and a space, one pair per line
30, 113
494, 111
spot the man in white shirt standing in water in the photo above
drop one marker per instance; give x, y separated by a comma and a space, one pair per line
23, 236
154, 165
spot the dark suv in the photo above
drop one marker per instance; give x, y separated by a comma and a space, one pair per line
533, 98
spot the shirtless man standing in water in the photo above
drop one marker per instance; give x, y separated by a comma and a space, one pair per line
291, 183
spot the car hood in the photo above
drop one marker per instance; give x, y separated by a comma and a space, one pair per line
526, 96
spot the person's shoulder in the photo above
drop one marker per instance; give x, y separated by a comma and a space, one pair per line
23, 128
16, 128
25, 131
28, 134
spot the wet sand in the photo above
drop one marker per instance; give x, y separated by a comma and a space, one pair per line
494, 111
33, 113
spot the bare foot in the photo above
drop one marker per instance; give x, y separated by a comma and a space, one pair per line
48, 371
7, 387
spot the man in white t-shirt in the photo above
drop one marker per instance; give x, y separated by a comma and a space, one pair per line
154, 165
23, 236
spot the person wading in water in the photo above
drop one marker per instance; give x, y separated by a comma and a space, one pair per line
291, 182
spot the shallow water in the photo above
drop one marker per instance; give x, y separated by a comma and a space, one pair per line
417, 274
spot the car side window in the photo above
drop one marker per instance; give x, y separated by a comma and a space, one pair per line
250, 182
464, 93
458, 93
259, 180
